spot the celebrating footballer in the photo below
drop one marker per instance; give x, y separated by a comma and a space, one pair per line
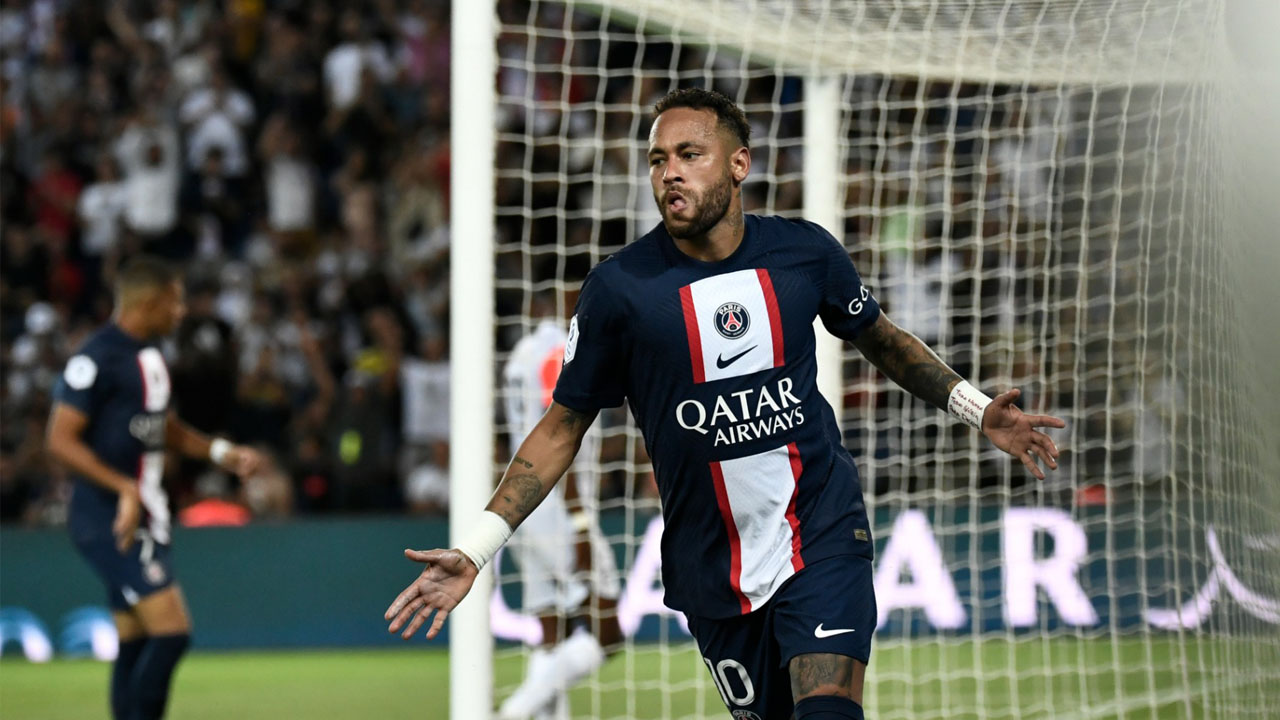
705, 327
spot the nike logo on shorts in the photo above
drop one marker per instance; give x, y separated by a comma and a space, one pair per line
722, 363
819, 632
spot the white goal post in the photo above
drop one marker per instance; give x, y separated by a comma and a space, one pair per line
1065, 196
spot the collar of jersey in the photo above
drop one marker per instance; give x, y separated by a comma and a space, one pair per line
748, 234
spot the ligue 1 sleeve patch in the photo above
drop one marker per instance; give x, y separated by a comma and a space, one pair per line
81, 372
571, 344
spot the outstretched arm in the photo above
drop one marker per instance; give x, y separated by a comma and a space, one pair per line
542, 458
907, 361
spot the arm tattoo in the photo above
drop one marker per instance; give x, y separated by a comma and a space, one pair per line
517, 460
908, 362
813, 672
572, 419
516, 497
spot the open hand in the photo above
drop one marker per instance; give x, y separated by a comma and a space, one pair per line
441, 586
1013, 431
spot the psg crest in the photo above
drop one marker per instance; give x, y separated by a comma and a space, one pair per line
732, 320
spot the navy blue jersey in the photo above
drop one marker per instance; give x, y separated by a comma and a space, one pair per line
122, 385
716, 360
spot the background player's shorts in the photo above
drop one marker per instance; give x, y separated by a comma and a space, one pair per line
829, 607
132, 575
543, 548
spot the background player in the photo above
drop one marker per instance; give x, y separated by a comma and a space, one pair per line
567, 569
110, 426
705, 326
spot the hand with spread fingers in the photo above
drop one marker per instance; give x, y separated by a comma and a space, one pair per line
1014, 432
439, 588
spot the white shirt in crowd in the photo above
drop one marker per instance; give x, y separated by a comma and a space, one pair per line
290, 194
218, 120
344, 66
101, 208
425, 400
151, 189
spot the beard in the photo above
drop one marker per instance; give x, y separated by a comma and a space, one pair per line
709, 209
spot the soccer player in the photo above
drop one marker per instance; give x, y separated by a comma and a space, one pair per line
558, 539
110, 426
705, 326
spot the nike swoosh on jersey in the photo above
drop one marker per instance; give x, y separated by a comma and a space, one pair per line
819, 632
722, 363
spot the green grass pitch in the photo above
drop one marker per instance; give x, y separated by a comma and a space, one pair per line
1060, 678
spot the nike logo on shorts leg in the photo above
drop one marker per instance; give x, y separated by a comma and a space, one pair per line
722, 363
820, 632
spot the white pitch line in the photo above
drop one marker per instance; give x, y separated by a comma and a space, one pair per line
1115, 708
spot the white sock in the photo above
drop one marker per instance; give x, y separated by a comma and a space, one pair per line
577, 657
537, 691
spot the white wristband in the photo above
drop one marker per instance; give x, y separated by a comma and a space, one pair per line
968, 403
218, 450
486, 536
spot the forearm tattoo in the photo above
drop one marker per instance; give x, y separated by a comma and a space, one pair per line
523, 485
812, 672
517, 496
908, 362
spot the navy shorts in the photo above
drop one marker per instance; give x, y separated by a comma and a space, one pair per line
132, 575
828, 607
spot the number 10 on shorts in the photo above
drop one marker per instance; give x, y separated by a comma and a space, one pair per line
720, 673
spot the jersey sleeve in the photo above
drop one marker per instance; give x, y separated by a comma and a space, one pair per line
595, 358
848, 307
79, 383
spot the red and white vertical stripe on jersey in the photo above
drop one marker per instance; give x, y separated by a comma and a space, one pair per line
154, 499
759, 348
155, 380
735, 541
155, 399
757, 499
691, 331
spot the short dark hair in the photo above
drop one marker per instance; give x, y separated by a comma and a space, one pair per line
144, 272
728, 114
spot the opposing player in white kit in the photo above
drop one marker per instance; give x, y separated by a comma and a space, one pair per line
558, 543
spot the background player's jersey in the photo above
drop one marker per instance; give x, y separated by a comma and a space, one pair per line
717, 362
529, 379
543, 545
122, 386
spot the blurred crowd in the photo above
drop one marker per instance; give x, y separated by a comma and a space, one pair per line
1018, 228
293, 159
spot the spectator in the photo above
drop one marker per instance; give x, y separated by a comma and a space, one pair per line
290, 187
346, 65
213, 207
148, 152
101, 210
53, 197
217, 118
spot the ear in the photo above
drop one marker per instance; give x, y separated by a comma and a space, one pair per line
740, 164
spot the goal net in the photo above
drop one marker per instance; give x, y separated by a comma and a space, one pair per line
1047, 192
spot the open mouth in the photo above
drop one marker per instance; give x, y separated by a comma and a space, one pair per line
676, 202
